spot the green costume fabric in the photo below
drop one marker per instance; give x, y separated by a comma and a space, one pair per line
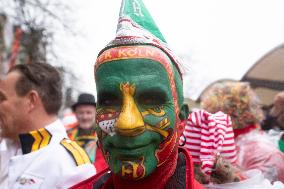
137, 12
281, 145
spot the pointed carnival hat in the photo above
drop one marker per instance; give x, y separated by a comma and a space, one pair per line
137, 28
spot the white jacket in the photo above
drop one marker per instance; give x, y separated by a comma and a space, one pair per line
44, 159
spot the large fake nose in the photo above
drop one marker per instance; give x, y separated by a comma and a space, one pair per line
130, 121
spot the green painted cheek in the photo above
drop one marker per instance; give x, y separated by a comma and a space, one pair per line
159, 117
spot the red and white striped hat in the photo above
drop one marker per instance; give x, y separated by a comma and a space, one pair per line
207, 136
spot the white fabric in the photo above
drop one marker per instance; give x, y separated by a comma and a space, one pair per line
256, 151
5, 155
274, 136
255, 180
50, 167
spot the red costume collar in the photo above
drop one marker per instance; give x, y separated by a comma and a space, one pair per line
191, 183
156, 180
245, 130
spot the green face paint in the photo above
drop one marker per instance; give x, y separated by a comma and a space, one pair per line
136, 115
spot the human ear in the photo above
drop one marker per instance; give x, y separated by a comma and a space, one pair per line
184, 112
33, 99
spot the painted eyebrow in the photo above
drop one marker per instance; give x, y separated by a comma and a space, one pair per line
104, 94
157, 95
109, 95
154, 90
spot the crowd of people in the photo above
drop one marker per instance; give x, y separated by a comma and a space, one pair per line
139, 133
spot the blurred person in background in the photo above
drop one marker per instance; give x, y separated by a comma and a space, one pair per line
84, 133
274, 114
277, 110
274, 121
69, 119
35, 151
254, 149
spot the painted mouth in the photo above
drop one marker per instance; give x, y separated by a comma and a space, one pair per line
130, 150
129, 147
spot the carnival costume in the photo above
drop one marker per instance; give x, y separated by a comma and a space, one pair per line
140, 99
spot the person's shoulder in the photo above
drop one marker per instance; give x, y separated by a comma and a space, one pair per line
65, 153
74, 152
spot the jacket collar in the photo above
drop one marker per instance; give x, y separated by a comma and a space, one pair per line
38, 139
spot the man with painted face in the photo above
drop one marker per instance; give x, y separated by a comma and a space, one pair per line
139, 109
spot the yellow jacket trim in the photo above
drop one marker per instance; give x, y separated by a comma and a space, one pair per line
46, 136
78, 154
41, 139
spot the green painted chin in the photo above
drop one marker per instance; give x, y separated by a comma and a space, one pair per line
132, 158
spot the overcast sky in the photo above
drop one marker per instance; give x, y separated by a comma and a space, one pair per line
215, 38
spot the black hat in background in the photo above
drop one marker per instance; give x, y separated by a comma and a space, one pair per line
84, 99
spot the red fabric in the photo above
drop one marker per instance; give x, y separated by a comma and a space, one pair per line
161, 174
245, 130
100, 162
197, 185
191, 183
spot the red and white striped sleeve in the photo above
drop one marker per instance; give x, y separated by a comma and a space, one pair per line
209, 135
